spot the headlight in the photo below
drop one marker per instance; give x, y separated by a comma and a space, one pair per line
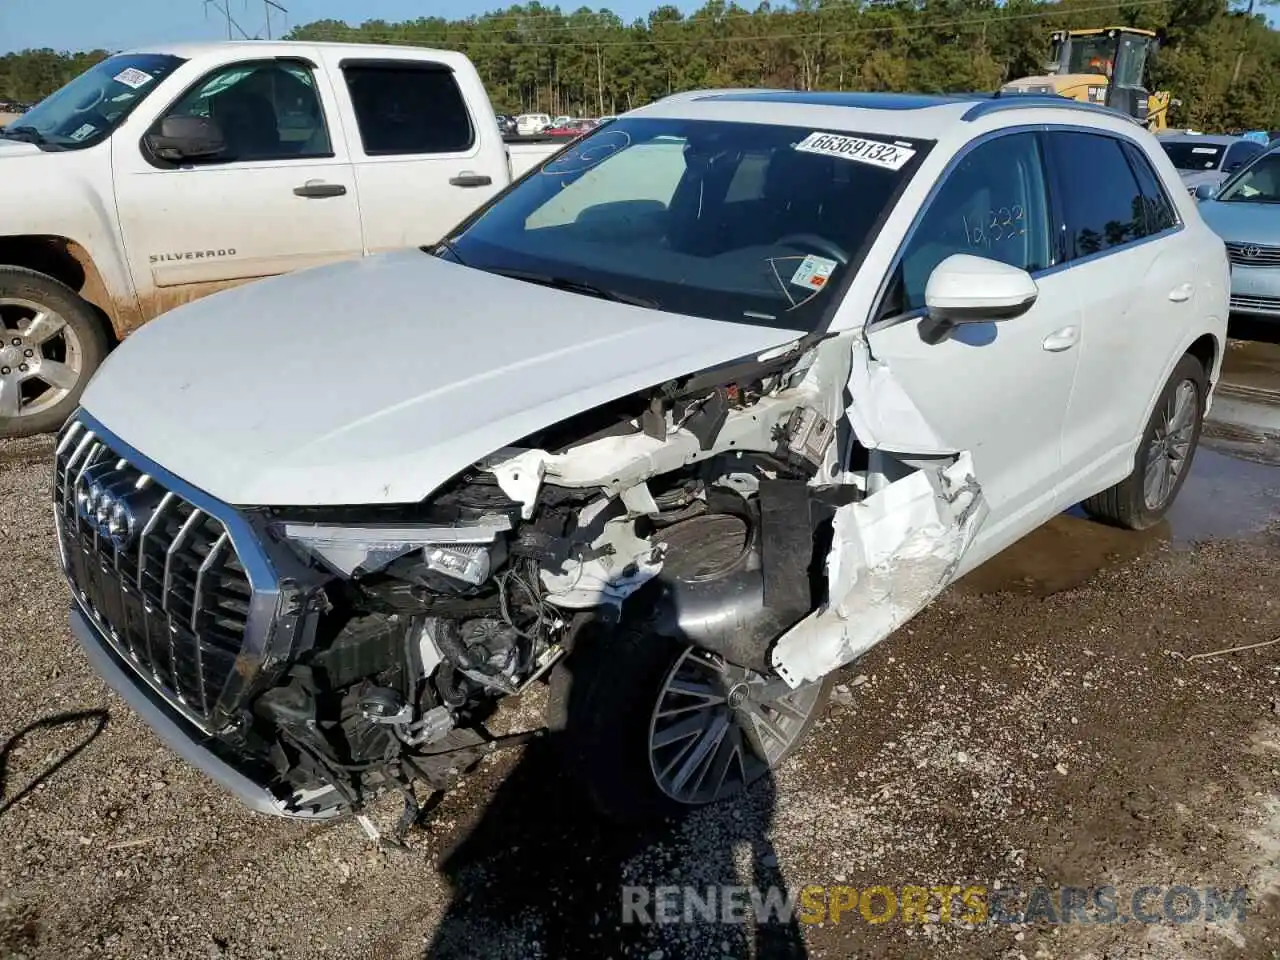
461, 552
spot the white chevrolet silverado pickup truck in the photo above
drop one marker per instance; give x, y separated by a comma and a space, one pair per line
163, 175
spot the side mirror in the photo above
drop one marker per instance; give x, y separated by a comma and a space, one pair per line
1232, 167
969, 289
187, 138
1206, 191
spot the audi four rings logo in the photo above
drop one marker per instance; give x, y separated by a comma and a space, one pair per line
105, 509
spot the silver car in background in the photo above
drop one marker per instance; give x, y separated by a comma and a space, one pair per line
1203, 158
1245, 212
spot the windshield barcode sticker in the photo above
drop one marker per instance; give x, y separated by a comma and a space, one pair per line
133, 77
879, 154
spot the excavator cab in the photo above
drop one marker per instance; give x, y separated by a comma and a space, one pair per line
1116, 55
1107, 65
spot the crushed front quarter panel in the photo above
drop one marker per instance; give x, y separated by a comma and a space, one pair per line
891, 554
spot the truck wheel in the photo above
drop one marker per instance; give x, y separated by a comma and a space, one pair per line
654, 727
52, 343
1164, 455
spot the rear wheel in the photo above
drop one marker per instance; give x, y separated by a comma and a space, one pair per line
653, 726
1164, 456
51, 342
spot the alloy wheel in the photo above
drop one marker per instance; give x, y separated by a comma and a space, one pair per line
41, 358
1170, 445
717, 727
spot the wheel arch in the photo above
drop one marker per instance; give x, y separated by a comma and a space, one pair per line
69, 263
1207, 350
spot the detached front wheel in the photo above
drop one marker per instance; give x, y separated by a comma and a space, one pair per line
51, 342
653, 727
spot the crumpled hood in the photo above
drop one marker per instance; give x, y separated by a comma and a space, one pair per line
377, 380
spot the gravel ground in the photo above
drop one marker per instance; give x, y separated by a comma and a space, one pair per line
1039, 724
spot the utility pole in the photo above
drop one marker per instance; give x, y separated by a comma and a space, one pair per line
224, 8
600, 80
267, 7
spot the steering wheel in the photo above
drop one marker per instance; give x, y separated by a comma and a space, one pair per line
90, 102
822, 244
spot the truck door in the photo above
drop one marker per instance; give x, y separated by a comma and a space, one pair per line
425, 146
280, 197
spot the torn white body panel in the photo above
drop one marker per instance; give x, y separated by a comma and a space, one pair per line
882, 413
620, 564
891, 554
615, 464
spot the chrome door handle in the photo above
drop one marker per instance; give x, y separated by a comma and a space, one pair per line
1063, 339
1181, 294
316, 189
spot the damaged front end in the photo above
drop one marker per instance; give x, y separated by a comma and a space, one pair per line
733, 511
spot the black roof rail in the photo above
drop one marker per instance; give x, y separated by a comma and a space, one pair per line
997, 102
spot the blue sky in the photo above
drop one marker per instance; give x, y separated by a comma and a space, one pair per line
85, 24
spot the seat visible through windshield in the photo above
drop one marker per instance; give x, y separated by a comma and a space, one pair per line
728, 220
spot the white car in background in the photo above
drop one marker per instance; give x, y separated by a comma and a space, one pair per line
701, 411
532, 124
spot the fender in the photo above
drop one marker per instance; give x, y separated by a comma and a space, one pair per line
67, 200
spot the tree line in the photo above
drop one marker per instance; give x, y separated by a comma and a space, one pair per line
1222, 62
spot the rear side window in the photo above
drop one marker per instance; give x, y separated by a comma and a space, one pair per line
408, 109
1102, 204
1158, 211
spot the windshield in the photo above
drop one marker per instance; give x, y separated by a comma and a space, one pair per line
1186, 155
753, 223
1091, 55
92, 105
1257, 183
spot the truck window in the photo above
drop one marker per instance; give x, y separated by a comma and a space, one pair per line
267, 111
408, 109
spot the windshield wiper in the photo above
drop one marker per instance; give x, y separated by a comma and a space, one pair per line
577, 286
449, 247
25, 133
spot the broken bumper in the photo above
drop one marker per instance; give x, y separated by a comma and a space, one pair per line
201, 751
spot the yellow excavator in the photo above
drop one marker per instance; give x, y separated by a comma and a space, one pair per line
1106, 65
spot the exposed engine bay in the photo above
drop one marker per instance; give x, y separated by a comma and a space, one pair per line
705, 508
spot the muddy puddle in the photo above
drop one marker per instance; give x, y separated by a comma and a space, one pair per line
1232, 492
1254, 363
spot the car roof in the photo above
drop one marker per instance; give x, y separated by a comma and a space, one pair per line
1217, 139
267, 48
951, 117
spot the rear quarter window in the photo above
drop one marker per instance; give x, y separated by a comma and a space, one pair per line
1103, 206
1158, 210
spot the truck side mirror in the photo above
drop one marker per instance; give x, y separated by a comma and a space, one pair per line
187, 138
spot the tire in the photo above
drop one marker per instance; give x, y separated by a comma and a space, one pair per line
71, 351
601, 711
1127, 504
